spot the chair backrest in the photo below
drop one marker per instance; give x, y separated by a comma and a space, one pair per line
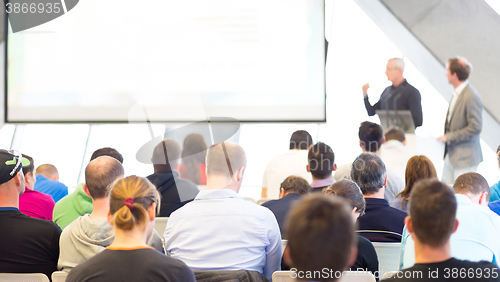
23, 277
390, 274
261, 201
388, 256
347, 276
283, 245
59, 276
161, 225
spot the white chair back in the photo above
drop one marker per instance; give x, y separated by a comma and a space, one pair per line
263, 200
388, 256
59, 276
283, 245
23, 277
347, 276
161, 225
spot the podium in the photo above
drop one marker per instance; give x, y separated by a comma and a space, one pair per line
401, 119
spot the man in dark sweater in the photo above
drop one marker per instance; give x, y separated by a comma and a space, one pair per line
431, 221
29, 245
175, 192
381, 222
292, 190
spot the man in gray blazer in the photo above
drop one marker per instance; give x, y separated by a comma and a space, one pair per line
463, 123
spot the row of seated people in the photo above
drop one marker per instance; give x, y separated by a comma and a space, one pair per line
220, 230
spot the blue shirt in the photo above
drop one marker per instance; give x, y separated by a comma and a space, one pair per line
476, 238
280, 209
220, 230
55, 189
495, 192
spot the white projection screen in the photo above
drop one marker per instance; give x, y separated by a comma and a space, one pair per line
178, 60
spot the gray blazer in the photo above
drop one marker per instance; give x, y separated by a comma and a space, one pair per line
462, 132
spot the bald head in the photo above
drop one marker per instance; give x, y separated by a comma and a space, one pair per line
48, 170
225, 159
100, 173
166, 155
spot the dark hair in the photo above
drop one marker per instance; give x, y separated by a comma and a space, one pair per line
417, 168
143, 193
166, 154
194, 151
320, 234
100, 174
301, 140
321, 160
432, 210
368, 171
461, 68
107, 151
30, 168
350, 191
471, 182
395, 133
371, 136
296, 184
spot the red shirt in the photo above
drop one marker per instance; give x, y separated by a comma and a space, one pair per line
36, 204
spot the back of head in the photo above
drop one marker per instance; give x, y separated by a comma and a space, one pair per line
351, 192
461, 67
321, 160
100, 174
471, 183
166, 155
129, 200
107, 151
296, 184
194, 144
368, 171
225, 159
395, 133
417, 168
300, 140
47, 170
320, 234
29, 168
432, 209
371, 136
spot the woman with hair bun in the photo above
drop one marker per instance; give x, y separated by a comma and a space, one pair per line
134, 202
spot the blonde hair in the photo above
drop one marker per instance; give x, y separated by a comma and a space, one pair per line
133, 213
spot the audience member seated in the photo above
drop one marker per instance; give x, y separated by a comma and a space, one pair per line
79, 203
476, 238
133, 203
175, 192
321, 164
220, 230
292, 162
495, 188
89, 234
418, 168
34, 203
194, 151
394, 152
29, 245
366, 258
292, 190
47, 181
371, 138
320, 236
432, 219
381, 222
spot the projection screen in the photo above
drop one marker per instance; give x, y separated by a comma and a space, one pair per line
251, 60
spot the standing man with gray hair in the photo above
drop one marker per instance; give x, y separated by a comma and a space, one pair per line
220, 230
400, 95
464, 123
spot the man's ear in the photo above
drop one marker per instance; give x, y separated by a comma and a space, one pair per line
334, 167
86, 190
383, 140
385, 181
483, 199
286, 256
307, 168
110, 218
55, 177
409, 224
353, 256
239, 174
404, 142
456, 226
